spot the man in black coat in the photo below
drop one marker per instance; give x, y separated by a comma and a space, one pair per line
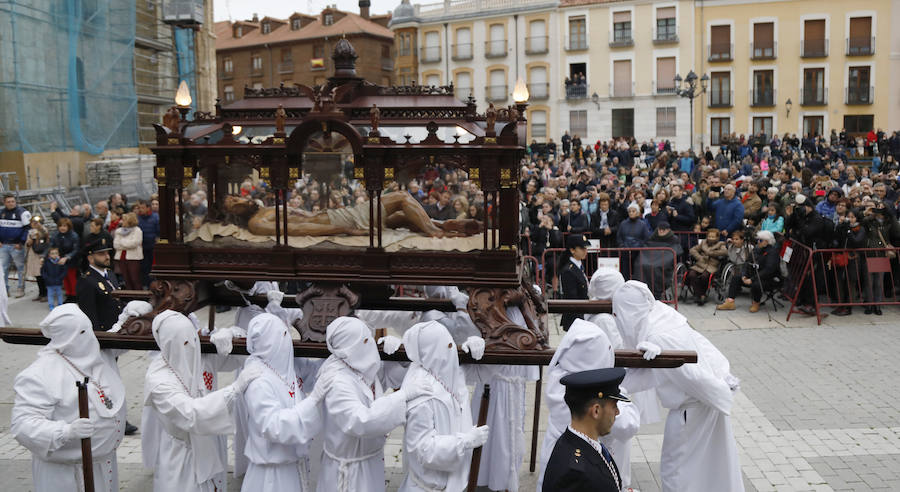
572, 276
95, 286
579, 462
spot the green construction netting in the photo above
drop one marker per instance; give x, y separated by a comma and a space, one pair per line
66, 75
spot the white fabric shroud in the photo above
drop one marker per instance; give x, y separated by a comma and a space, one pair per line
193, 419
280, 421
604, 283
47, 400
4, 306
357, 414
585, 347
699, 451
436, 458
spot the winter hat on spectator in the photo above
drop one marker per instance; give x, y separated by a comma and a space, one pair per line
766, 236
800, 199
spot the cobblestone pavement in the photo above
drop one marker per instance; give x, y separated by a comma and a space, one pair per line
819, 408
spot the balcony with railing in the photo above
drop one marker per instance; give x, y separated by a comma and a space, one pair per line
387, 63
577, 91
814, 96
536, 45
720, 99
495, 49
620, 40
430, 54
576, 43
720, 52
256, 71
664, 88
765, 50
539, 91
813, 48
860, 46
665, 36
226, 75
620, 92
860, 95
496, 93
286, 67
462, 51
762, 98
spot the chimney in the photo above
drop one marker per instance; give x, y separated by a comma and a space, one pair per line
364, 8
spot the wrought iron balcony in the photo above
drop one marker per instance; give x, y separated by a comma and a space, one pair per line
814, 48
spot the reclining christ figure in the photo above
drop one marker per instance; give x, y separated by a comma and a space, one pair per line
399, 210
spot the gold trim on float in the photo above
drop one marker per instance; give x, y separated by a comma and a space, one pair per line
172, 141
490, 140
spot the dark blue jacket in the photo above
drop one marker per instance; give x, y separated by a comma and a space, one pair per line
53, 273
67, 243
632, 233
149, 225
729, 214
686, 218
13, 229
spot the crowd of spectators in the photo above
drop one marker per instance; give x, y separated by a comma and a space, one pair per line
54, 257
839, 191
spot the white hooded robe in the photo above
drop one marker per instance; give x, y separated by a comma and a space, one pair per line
47, 400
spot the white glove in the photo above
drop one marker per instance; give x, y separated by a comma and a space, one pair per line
733, 382
475, 437
78, 429
460, 300
474, 346
248, 374
651, 350
221, 338
230, 286
391, 344
275, 296
417, 388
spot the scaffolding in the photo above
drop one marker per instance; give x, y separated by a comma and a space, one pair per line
67, 75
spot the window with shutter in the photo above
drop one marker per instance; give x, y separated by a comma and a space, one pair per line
858, 89
860, 41
720, 43
665, 122
814, 42
622, 78
763, 90
578, 122
463, 48
763, 40
621, 28
537, 41
577, 34
763, 124
538, 88
463, 85
720, 89
720, 127
665, 25
538, 124
813, 86
432, 50
665, 75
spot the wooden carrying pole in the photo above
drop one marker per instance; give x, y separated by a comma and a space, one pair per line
537, 418
87, 461
476, 453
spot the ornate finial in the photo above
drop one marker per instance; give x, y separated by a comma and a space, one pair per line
280, 116
344, 57
490, 116
374, 119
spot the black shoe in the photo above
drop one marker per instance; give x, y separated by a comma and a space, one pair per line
868, 310
876, 310
701, 301
841, 311
130, 429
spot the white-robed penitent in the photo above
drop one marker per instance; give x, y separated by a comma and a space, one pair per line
699, 451
358, 416
46, 405
585, 347
439, 435
280, 420
194, 420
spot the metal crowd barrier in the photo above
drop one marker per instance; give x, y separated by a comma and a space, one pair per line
853, 277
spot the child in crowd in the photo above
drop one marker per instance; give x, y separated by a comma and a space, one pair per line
53, 274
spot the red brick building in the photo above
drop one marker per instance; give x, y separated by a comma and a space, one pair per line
267, 52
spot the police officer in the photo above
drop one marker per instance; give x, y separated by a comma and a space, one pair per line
579, 462
96, 284
572, 276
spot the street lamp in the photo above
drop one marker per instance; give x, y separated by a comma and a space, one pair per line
183, 100
788, 105
688, 88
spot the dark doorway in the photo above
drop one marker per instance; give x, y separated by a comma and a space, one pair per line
623, 122
577, 68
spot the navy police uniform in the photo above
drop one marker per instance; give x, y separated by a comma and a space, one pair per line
575, 464
573, 279
94, 291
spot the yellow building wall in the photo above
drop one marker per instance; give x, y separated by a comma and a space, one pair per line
788, 66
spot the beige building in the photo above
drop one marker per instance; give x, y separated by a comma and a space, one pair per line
800, 66
483, 47
629, 53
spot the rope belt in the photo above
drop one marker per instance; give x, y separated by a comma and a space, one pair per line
344, 465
